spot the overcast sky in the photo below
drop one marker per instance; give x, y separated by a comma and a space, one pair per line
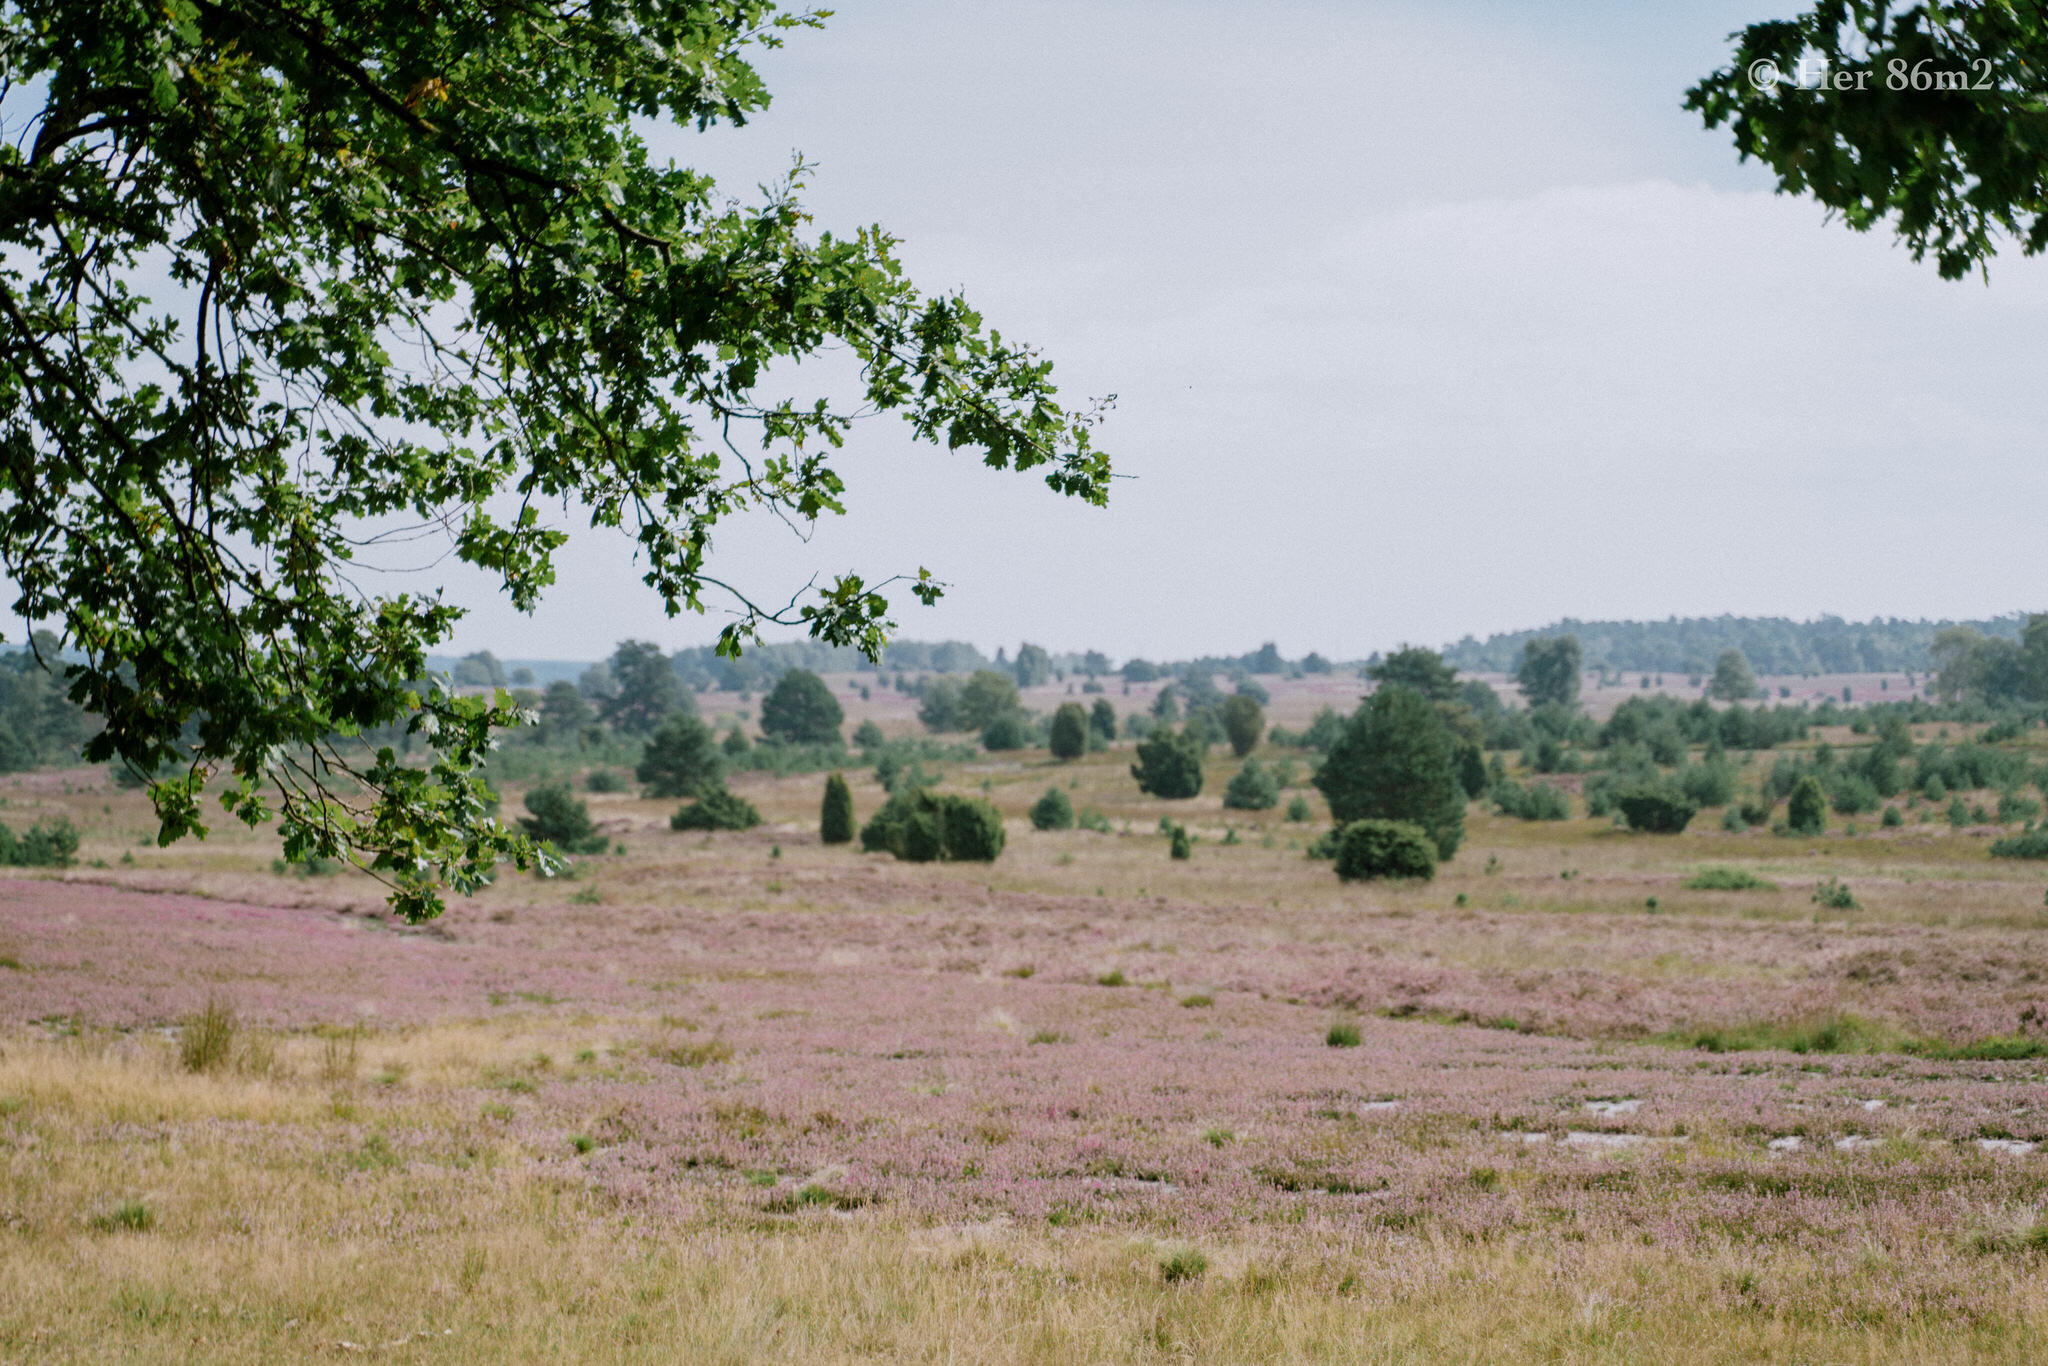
1423, 320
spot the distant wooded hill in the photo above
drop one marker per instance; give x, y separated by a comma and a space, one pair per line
1773, 645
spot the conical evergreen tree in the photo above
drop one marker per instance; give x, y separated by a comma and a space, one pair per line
835, 821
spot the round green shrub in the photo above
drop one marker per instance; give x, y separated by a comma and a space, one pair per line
1536, 802
802, 710
1371, 848
1053, 811
1656, 810
556, 816
680, 759
1255, 788
1069, 737
973, 829
1169, 765
717, 809
1008, 731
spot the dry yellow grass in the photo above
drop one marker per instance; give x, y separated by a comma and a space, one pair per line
286, 1230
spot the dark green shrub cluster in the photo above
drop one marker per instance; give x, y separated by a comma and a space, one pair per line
1053, 811
1179, 845
1255, 788
1536, 802
1727, 880
2030, 844
1323, 731
1550, 754
1708, 784
1010, 730
681, 758
603, 780
46, 844
973, 830
1851, 794
1698, 722
717, 809
2014, 809
1102, 721
1968, 767
1368, 849
1656, 810
1549, 671
1806, 812
555, 815
1397, 760
1298, 809
1068, 738
1243, 722
1169, 764
801, 710
919, 826
835, 815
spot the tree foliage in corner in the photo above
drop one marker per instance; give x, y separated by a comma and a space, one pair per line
290, 287
1928, 116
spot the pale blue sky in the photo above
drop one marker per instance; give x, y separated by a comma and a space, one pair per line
1424, 320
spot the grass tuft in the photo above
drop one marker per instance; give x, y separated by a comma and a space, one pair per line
1833, 1033
1727, 880
207, 1041
699, 1054
130, 1216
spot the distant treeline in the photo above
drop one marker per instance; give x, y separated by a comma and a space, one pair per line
1772, 645
761, 665
701, 667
